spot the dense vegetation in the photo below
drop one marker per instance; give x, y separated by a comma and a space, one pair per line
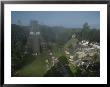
60, 69
19, 36
92, 35
58, 35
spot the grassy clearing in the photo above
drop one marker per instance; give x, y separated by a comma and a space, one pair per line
36, 68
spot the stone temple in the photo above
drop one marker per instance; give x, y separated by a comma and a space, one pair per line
34, 40
35, 43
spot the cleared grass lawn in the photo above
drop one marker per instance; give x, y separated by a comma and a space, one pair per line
36, 69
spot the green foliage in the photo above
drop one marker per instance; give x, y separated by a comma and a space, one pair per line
18, 41
92, 35
47, 33
63, 60
86, 26
60, 69
53, 72
59, 36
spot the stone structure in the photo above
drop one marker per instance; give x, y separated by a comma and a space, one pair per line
34, 41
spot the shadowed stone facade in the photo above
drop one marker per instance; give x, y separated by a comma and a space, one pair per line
34, 41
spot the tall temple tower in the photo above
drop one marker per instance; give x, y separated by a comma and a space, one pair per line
34, 41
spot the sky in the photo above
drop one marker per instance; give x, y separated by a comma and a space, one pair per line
69, 19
